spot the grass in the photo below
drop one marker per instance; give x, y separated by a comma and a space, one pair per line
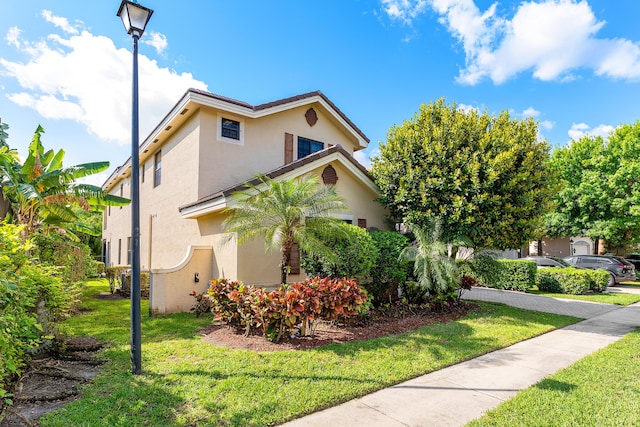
189, 382
631, 283
603, 389
605, 297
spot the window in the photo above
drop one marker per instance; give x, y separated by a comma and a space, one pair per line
230, 129
157, 169
362, 222
308, 146
142, 174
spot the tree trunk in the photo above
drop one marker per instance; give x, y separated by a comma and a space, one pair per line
285, 258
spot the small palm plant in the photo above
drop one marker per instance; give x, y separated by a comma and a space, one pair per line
435, 271
287, 212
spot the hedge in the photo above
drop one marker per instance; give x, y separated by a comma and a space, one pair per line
509, 274
571, 280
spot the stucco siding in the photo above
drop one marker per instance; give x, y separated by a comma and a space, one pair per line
225, 164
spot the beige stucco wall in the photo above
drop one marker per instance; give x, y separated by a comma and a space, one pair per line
561, 247
225, 164
171, 288
164, 235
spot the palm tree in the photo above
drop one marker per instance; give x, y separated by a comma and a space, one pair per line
287, 212
42, 191
435, 271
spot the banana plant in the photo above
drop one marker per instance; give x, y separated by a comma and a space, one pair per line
41, 191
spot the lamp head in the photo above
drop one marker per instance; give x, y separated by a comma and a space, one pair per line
134, 17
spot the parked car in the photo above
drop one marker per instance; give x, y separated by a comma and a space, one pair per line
548, 261
619, 270
634, 259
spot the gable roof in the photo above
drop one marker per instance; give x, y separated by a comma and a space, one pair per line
223, 198
195, 98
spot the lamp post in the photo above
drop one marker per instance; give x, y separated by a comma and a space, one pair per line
135, 18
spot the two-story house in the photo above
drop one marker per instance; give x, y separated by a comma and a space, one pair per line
191, 164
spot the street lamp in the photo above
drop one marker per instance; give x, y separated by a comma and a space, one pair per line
135, 18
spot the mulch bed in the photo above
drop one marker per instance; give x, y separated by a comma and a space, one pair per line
328, 333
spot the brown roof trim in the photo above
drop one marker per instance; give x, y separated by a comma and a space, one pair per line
260, 107
281, 171
284, 101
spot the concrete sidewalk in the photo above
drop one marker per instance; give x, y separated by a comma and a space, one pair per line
460, 393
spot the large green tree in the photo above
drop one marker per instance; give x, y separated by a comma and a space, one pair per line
42, 192
481, 176
599, 193
285, 213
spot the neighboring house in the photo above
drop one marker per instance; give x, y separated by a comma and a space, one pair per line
563, 247
190, 165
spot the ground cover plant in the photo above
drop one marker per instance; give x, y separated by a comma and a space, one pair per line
600, 390
188, 381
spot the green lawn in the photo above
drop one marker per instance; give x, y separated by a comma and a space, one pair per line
189, 382
602, 389
605, 297
630, 283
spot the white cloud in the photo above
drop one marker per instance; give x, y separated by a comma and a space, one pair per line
547, 124
13, 37
60, 22
85, 78
578, 130
552, 39
530, 112
404, 10
364, 158
157, 40
467, 108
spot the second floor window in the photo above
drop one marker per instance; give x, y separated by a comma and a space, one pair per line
157, 169
308, 146
230, 128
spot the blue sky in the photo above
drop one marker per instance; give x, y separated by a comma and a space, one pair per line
573, 65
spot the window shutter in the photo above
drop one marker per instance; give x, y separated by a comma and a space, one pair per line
288, 148
294, 260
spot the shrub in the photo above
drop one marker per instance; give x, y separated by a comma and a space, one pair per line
548, 282
114, 275
286, 308
390, 270
571, 280
485, 269
599, 280
73, 258
356, 254
99, 268
516, 275
231, 302
145, 279
33, 298
202, 304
